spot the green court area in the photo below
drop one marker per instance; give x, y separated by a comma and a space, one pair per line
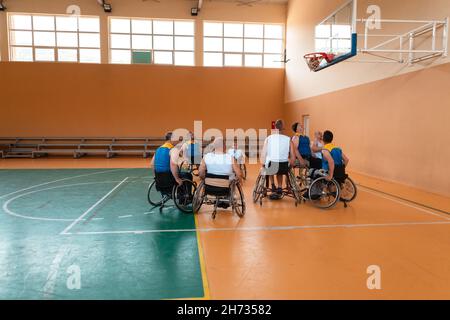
91, 234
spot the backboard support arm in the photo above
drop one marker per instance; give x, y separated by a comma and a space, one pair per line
408, 55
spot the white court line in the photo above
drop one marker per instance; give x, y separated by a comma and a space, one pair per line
123, 217
273, 228
6, 209
405, 203
312, 227
63, 179
93, 207
53, 273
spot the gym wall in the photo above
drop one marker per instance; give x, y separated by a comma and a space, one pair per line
391, 120
168, 9
58, 99
52, 99
304, 15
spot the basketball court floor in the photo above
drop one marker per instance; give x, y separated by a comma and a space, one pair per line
79, 80
99, 220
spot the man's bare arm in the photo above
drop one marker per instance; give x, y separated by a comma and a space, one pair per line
202, 170
346, 159
326, 154
316, 148
152, 163
174, 156
237, 170
264, 152
293, 155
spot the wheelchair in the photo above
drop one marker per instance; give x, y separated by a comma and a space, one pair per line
243, 168
164, 188
263, 190
219, 191
325, 194
303, 171
241, 162
190, 165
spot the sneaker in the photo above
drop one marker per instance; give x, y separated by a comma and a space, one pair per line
274, 196
223, 205
279, 191
274, 189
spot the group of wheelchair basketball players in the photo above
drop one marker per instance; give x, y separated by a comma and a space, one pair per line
220, 167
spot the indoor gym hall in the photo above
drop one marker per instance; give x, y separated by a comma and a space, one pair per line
75, 221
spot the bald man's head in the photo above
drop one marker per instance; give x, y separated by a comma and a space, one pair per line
218, 144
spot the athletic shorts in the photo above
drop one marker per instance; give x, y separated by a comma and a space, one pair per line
315, 163
165, 181
275, 168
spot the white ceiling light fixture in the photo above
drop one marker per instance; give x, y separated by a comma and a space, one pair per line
107, 7
195, 10
2, 6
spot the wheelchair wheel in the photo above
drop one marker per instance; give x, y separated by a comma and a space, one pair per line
302, 177
294, 187
348, 190
194, 170
155, 198
183, 196
259, 187
182, 166
238, 202
323, 193
244, 171
199, 196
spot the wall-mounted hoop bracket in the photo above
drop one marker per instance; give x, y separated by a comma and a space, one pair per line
401, 48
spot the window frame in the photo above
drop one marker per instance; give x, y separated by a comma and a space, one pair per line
243, 53
55, 31
330, 40
152, 35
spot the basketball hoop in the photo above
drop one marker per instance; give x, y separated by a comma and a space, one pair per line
314, 60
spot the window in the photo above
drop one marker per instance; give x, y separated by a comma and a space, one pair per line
333, 38
152, 41
61, 38
242, 44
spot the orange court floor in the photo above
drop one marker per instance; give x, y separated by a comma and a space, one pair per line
278, 251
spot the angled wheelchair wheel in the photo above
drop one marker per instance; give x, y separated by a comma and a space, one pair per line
194, 170
348, 190
244, 171
183, 196
302, 177
183, 166
324, 194
155, 198
259, 187
294, 187
238, 201
199, 196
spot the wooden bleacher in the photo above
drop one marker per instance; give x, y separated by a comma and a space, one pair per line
77, 147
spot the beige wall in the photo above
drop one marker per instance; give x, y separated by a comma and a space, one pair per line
53, 99
72, 99
171, 9
390, 119
302, 17
394, 129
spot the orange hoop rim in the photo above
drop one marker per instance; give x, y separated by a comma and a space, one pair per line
327, 56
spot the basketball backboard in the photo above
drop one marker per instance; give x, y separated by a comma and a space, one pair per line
335, 37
